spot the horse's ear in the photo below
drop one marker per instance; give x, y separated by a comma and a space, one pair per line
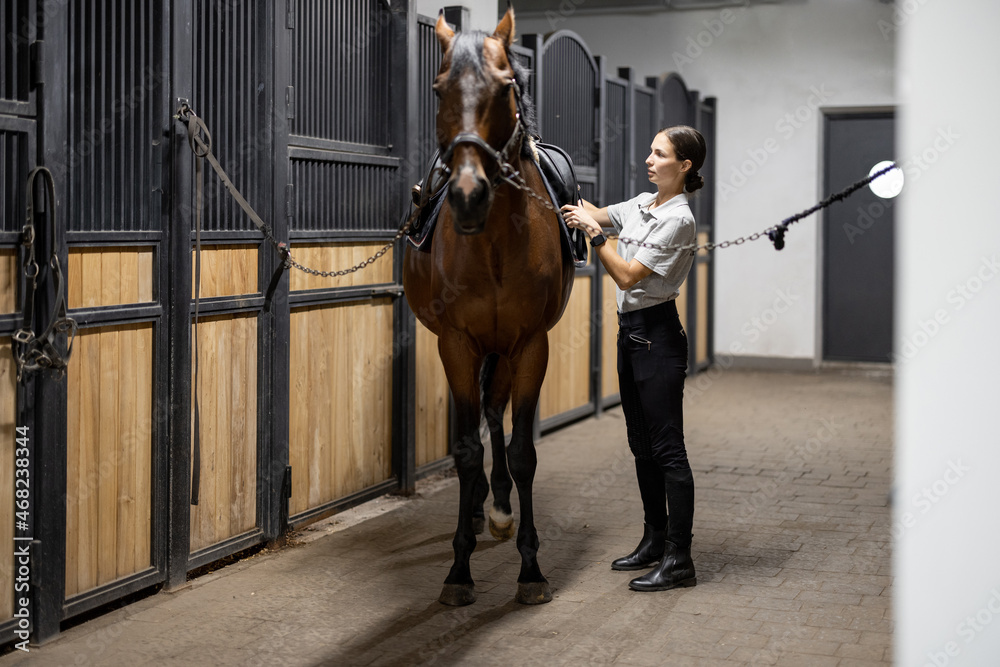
505, 29
444, 32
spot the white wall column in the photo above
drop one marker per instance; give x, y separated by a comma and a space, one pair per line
945, 517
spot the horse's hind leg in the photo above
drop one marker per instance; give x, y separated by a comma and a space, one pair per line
462, 366
496, 386
527, 372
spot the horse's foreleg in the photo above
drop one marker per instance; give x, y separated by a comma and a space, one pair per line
496, 382
527, 372
461, 366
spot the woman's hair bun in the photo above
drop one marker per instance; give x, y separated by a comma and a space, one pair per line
693, 181
688, 144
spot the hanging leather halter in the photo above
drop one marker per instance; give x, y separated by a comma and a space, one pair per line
39, 352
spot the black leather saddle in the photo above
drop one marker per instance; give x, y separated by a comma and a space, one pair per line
557, 171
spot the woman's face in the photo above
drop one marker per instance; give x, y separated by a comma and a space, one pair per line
663, 167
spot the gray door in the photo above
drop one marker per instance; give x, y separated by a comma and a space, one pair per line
858, 240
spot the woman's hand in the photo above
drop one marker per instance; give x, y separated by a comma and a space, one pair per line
578, 218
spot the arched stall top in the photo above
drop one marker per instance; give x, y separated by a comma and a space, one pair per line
570, 113
678, 105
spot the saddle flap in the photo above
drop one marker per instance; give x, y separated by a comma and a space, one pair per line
557, 167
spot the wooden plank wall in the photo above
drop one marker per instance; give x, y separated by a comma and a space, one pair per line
227, 358
8, 281
109, 276
431, 400
227, 270
324, 256
109, 454
609, 338
567, 380
8, 418
701, 341
682, 305
340, 423
227, 355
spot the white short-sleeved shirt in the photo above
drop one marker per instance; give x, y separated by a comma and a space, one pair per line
669, 224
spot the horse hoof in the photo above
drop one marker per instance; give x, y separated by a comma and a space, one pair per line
457, 595
479, 525
501, 525
533, 592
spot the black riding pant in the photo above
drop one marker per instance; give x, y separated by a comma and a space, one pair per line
652, 365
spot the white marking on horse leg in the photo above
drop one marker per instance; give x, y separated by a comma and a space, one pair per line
501, 524
500, 518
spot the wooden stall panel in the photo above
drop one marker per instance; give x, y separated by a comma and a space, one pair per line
330, 256
340, 422
109, 453
431, 400
609, 338
109, 276
701, 333
227, 357
8, 420
567, 380
8, 281
226, 270
682, 305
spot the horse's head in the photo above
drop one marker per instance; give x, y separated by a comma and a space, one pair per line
478, 123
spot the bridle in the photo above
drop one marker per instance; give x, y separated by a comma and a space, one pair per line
505, 170
502, 157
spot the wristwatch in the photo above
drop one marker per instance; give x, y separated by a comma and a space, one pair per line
598, 240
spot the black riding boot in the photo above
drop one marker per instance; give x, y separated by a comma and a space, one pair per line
676, 569
649, 551
654, 505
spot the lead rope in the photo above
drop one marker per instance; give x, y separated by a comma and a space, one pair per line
201, 148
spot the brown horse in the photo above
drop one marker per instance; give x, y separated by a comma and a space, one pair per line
495, 281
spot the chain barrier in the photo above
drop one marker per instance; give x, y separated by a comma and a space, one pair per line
200, 141
509, 175
776, 233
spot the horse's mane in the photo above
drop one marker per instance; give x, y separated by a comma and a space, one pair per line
467, 51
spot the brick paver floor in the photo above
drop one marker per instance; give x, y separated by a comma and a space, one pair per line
791, 543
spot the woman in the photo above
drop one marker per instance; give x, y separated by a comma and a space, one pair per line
653, 348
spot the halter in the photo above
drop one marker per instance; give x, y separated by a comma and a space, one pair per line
502, 156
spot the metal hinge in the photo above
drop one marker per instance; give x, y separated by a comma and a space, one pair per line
597, 97
288, 481
290, 101
159, 156
290, 200
36, 56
